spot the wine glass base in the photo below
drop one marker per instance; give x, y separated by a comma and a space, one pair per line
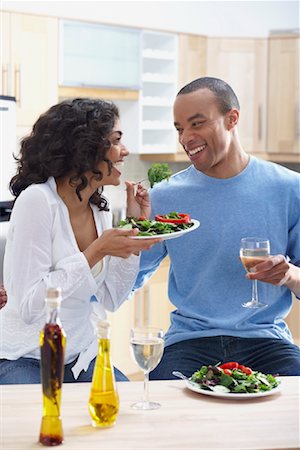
254, 305
145, 405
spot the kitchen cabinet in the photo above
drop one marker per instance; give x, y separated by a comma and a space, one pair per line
29, 64
159, 85
96, 55
242, 63
191, 58
284, 95
191, 63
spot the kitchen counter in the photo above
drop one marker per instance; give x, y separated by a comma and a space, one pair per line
186, 420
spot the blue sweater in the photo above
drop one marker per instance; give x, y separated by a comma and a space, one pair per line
207, 283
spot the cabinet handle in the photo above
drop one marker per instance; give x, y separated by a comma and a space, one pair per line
260, 123
5, 79
18, 84
297, 119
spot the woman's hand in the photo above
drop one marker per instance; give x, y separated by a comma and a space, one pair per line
117, 242
3, 296
138, 201
278, 271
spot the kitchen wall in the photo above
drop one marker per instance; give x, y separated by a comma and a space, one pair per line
211, 18
223, 18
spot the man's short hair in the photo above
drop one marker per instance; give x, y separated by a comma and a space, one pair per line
224, 94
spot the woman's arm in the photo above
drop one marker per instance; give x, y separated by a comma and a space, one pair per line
3, 296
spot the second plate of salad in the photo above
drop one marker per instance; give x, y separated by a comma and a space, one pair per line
232, 381
230, 395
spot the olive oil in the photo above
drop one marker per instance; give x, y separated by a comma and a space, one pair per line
52, 347
104, 399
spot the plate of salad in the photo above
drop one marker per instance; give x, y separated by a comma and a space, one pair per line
233, 381
164, 226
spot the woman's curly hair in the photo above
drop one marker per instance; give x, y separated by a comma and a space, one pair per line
70, 138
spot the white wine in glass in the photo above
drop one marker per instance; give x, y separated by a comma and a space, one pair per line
254, 251
147, 346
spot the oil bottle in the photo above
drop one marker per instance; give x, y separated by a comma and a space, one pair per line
52, 348
104, 399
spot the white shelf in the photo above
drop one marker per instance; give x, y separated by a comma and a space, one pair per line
158, 149
159, 86
158, 54
156, 125
156, 101
158, 78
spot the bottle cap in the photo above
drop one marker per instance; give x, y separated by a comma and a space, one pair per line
53, 296
103, 328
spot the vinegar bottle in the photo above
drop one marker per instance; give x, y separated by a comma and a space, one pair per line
52, 347
104, 399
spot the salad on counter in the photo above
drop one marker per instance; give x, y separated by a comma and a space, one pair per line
234, 378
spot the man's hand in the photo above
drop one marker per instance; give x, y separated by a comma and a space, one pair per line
278, 271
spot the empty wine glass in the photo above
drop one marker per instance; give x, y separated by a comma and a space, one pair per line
147, 348
253, 251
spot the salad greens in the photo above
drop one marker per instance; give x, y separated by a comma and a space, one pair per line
152, 227
216, 378
158, 172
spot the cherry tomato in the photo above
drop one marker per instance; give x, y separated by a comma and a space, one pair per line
245, 369
229, 365
184, 218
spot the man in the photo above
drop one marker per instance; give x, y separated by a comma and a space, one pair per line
233, 195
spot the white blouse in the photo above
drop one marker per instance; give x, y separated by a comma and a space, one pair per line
41, 251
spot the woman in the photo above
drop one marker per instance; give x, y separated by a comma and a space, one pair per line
3, 296
60, 235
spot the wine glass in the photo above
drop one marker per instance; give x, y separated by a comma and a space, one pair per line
147, 348
253, 251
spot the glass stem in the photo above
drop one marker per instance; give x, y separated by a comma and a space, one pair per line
146, 387
254, 292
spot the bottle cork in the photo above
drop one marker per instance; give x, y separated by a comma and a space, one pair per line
53, 296
103, 329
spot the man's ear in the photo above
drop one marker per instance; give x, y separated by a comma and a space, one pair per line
232, 118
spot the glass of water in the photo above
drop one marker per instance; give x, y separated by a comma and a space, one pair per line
147, 347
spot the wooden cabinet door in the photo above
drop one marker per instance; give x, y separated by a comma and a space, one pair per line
284, 95
191, 58
191, 61
242, 63
34, 65
5, 54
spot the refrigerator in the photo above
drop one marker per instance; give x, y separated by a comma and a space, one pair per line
8, 147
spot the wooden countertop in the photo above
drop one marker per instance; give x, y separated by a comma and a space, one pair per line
185, 421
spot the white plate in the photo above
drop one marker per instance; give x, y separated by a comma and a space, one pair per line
229, 395
174, 235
